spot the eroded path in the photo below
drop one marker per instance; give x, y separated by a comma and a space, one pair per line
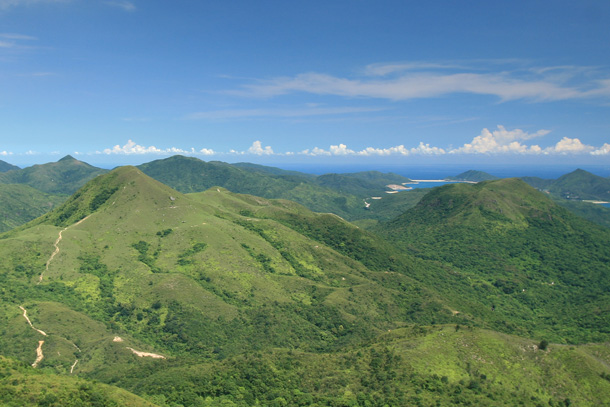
39, 355
25, 315
56, 244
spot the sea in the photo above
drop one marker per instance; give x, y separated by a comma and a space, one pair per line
443, 171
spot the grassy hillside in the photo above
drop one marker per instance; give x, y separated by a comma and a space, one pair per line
22, 203
187, 174
522, 255
217, 298
62, 177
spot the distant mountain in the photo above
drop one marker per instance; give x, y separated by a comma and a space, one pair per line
188, 174
546, 262
22, 203
271, 170
581, 184
577, 185
4, 166
62, 177
473, 176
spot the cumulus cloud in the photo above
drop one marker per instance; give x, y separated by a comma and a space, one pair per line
343, 150
257, 149
603, 150
501, 141
132, 148
5, 153
569, 146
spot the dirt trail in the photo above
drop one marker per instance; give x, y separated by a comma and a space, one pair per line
39, 355
25, 315
56, 244
72, 368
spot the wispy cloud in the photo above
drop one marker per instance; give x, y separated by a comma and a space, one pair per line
7, 4
15, 41
286, 113
424, 80
124, 5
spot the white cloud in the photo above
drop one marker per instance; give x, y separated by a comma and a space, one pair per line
125, 5
603, 150
501, 141
132, 148
258, 149
424, 80
425, 149
5, 153
207, 151
341, 149
569, 146
6, 4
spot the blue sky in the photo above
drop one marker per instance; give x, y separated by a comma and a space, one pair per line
388, 82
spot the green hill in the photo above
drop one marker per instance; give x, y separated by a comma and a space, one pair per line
4, 166
473, 176
581, 184
62, 177
577, 185
20, 385
22, 203
519, 253
187, 174
217, 298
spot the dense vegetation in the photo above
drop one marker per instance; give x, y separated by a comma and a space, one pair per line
486, 294
523, 256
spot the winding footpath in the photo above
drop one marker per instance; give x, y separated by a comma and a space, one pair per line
56, 244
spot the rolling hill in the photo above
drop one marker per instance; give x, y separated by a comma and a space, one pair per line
218, 298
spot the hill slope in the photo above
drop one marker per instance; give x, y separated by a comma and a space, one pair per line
4, 166
503, 235
22, 203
